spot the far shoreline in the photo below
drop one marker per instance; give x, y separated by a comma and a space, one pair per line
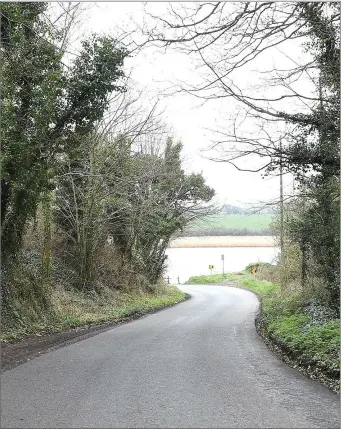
225, 241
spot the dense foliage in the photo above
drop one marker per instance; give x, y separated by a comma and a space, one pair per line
47, 108
313, 219
79, 208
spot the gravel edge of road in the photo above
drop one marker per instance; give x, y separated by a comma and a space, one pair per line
14, 354
284, 353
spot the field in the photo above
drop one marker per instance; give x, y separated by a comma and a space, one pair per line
234, 221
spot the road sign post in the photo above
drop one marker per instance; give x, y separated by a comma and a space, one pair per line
211, 268
223, 259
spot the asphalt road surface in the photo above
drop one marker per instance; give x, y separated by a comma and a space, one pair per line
199, 364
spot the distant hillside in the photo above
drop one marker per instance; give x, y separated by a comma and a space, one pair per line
231, 209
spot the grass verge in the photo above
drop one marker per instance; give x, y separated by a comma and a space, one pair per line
301, 331
211, 279
74, 309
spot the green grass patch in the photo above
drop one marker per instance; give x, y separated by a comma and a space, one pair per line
290, 325
234, 221
243, 279
74, 309
261, 287
315, 343
209, 279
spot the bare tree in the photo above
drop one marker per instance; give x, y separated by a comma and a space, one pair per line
93, 190
226, 39
67, 18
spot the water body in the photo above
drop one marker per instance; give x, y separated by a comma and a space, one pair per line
195, 261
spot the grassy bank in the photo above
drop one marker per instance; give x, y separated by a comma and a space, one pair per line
212, 279
74, 309
304, 333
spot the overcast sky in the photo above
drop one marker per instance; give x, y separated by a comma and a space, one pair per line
190, 121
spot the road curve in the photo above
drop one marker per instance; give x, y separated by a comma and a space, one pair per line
199, 364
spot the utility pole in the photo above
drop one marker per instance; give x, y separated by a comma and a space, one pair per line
281, 200
281, 209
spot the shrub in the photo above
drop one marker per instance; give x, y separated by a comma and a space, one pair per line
257, 265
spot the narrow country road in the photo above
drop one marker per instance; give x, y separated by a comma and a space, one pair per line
199, 364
